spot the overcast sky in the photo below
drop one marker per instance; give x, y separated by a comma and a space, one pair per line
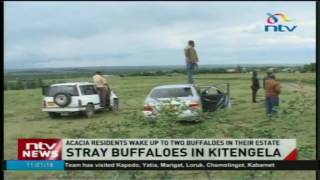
80, 34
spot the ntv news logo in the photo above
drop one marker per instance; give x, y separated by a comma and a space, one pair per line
274, 24
39, 149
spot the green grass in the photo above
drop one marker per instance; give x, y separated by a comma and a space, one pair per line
24, 119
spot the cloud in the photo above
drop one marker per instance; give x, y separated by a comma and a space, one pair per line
60, 34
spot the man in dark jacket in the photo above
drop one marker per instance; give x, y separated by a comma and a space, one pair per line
255, 85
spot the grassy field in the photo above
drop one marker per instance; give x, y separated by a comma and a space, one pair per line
23, 118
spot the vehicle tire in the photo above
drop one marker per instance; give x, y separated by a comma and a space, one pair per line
115, 105
62, 99
89, 110
54, 115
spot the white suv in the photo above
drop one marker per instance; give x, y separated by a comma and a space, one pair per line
74, 97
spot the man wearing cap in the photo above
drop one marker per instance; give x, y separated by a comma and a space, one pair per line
102, 87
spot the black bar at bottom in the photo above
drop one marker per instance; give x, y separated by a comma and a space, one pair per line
191, 165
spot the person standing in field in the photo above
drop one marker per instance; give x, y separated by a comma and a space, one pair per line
272, 90
102, 88
191, 60
255, 86
269, 73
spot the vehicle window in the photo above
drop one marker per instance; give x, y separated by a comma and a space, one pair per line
53, 90
212, 91
171, 93
88, 90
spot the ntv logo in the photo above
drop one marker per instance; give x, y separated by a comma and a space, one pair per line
39, 149
274, 26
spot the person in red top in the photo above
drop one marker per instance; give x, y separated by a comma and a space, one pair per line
272, 90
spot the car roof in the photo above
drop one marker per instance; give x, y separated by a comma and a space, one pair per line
73, 84
174, 86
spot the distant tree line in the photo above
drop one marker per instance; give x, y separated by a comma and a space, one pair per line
32, 81
147, 73
310, 67
20, 84
23, 84
26, 77
179, 71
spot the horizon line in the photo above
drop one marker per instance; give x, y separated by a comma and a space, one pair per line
236, 64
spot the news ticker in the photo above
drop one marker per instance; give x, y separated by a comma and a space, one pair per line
158, 154
61, 165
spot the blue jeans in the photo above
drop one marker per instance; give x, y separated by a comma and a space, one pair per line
190, 72
272, 102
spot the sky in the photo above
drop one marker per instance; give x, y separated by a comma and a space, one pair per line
82, 34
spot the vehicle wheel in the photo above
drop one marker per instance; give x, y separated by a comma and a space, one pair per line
53, 115
62, 99
89, 110
115, 105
